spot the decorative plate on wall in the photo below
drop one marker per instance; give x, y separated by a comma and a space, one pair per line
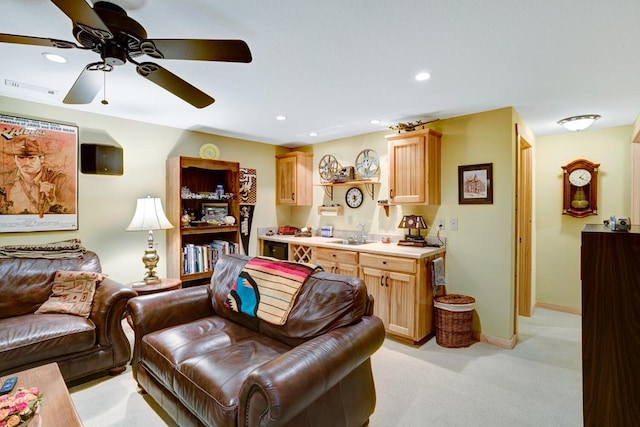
209, 151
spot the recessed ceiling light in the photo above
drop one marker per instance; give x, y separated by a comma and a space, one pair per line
313, 134
423, 76
54, 57
281, 118
374, 121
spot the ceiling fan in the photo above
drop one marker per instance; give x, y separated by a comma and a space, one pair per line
107, 30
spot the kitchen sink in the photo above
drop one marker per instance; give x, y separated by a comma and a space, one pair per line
351, 242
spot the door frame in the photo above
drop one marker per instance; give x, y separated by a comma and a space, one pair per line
524, 294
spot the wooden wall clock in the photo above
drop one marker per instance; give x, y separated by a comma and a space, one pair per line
580, 188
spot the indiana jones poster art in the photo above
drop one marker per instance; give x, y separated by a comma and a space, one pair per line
38, 175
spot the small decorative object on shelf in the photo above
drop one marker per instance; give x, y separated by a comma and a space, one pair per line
304, 232
20, 408
219, 194
410, 126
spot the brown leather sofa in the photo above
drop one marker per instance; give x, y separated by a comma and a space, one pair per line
208, 365
81, 346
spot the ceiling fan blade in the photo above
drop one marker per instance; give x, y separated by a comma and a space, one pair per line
86, 87
198, 50
174, 84
84, 16
36, 41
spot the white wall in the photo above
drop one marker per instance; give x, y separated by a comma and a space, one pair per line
558, 244
106, 203
480, 255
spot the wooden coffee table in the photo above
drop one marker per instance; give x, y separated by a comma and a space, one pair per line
57, 407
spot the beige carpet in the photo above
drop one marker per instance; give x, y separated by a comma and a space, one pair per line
539, 383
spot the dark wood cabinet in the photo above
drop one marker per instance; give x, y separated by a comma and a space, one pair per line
610, 272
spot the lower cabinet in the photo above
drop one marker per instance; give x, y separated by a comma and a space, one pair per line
393, 295
401, 289
337, 261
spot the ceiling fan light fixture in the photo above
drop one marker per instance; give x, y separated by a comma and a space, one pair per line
54, 57
578, 123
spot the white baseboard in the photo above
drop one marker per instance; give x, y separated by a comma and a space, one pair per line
507, 343
557, 307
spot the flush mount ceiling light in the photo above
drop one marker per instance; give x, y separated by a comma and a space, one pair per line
374, 121
423, 76
281, 118
53, 57
578, 123
313, 134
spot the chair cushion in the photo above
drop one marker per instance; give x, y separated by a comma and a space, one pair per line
324, 302
205, 362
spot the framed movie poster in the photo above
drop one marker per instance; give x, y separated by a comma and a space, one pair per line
38, 175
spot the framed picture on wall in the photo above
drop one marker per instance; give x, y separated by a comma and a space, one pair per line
38, 175
475, 184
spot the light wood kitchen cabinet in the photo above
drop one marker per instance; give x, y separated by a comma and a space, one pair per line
337, 261
401, 288
414, 167
294, 179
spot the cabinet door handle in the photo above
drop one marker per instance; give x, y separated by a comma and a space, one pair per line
381, 280
384, 262
391, 193
386, 282
293, 196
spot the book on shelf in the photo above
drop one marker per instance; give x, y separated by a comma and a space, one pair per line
197, 258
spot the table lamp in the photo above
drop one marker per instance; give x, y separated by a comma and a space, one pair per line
149, 216
413, 222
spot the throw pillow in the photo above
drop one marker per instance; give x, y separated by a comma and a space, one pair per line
72, 293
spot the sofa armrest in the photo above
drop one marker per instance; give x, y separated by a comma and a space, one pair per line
109, 304
277, 391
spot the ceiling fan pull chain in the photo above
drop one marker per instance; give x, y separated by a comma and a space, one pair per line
104, 88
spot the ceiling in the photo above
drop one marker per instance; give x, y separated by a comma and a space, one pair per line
331, 66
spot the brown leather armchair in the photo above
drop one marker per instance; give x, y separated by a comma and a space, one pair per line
208, 365
81, 346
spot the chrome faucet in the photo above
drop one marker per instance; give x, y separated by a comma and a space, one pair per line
363, 235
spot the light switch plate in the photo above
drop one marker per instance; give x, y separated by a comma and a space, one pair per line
453, 224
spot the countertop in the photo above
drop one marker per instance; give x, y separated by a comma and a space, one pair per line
375, 247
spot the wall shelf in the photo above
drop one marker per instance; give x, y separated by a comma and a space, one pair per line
368, 184
337, 210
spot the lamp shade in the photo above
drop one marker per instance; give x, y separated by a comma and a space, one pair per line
578, 123
413, 221
149, 216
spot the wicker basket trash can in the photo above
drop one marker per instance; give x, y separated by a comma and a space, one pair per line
454, 314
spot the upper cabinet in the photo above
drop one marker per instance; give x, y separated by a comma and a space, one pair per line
294, 179
414, 167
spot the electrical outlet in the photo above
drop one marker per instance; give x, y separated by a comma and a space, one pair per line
440, 223
453, 224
